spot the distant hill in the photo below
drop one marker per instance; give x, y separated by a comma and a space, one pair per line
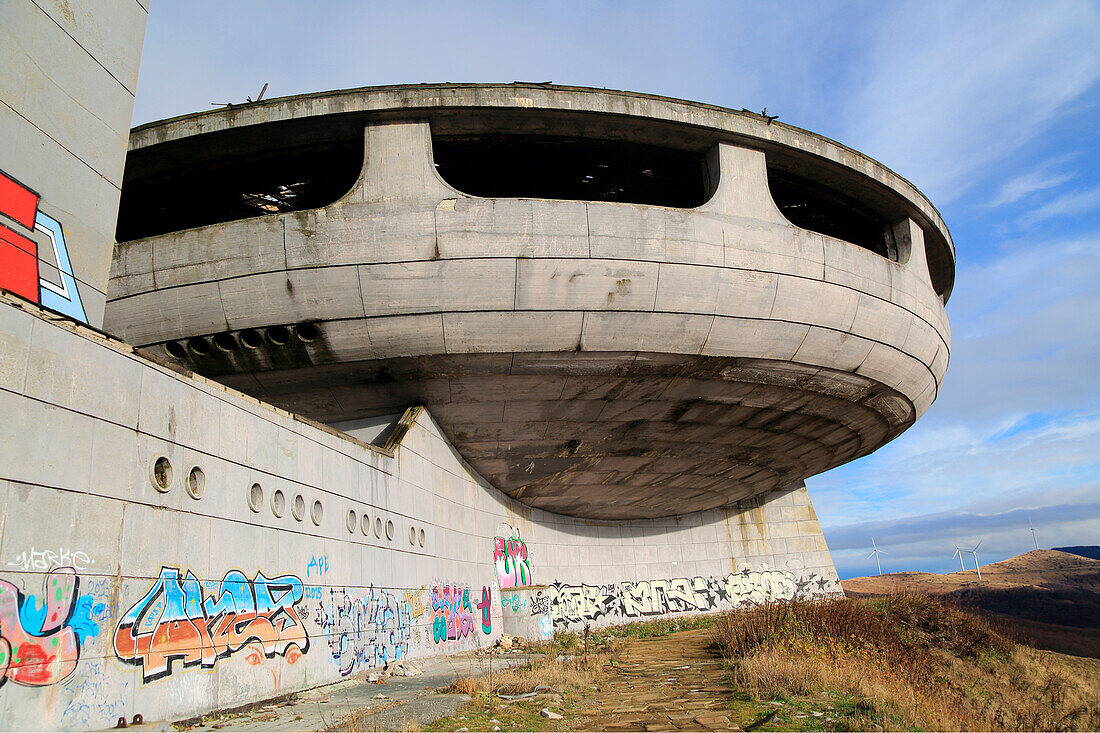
1051, 597
1090, 551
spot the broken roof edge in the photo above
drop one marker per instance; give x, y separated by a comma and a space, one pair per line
439, 96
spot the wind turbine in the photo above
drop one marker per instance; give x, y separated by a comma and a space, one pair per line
1032, 528
977, 567
959, 554
875, 553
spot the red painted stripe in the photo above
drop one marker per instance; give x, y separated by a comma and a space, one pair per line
18, 264
17, 202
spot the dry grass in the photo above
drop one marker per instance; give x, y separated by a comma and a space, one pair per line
359, 722
908, 662
547, 669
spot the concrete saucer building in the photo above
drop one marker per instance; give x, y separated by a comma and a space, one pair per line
385, 372
615, 306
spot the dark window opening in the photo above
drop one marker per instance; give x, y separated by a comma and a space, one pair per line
237, 186
820, 209
503, 166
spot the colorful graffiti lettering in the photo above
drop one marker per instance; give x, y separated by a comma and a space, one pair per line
365, 631
317, 566
19, 256
174, 621
46, 559
576, 604
40, 644
513, 600
452, 614
510, 557
486, 608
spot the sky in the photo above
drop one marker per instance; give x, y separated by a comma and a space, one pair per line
992, 109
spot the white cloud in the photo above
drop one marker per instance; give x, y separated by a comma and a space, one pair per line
1066, 205
1027, 184
954, 87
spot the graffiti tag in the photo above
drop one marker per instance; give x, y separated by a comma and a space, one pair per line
46, 559
40, 644
452, 613
510, 557
365, 631
574, 604
176, 620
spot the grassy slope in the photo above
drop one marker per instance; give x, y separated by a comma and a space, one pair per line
903, 662
1051, 598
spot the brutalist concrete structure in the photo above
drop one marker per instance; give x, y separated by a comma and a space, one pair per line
387, 370
603, 298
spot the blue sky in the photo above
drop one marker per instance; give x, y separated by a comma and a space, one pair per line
992, 109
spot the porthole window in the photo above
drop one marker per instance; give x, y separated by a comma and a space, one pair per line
389, 530
251, 338
255, 497
225, 342
198, 346
161, 474
364, 525
278, 503
278, 335
196, 482
378, 527
298, 509
412, 535
316, 513
175, 350
352, 521
421, 538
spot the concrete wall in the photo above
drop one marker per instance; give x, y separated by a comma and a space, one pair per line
120, 596
66, 95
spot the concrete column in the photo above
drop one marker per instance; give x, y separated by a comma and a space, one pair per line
743, 186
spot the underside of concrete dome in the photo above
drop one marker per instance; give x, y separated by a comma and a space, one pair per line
616, 306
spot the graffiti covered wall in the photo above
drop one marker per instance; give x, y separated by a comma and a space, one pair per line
615, 603
186, 568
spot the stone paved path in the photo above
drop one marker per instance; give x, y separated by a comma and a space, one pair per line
663, 684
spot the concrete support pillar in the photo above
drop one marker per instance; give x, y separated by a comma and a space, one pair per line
743, 186
398, 166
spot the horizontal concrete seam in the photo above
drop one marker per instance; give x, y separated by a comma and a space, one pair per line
90, 54
200, 451
216, 390
595, 259
585, 314
66, 149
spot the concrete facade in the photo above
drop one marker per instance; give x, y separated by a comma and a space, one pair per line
67, 91
591, 358
337, 554
589, 412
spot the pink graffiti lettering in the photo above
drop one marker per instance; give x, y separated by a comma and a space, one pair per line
510, 556
453, 616
41, 645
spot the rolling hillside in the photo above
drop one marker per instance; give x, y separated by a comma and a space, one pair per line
1050, 598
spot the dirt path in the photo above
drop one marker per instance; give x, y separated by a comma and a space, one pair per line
663, 684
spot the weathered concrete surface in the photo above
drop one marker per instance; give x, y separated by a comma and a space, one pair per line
396, 703
267, 554
69, 73
601, 360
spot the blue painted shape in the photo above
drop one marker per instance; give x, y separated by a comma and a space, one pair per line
32, 616
82, 622
68, 304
